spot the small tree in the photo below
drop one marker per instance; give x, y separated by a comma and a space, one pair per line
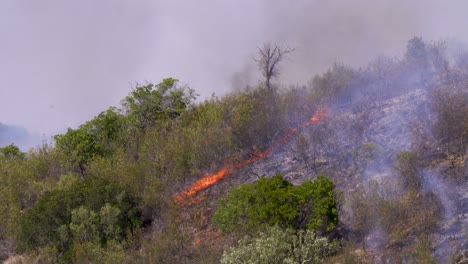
149, 103
416, 52
425, 59
11, 152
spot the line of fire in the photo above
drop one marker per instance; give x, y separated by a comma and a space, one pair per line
187, 196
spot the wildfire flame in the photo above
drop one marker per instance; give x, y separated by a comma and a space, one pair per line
211, 178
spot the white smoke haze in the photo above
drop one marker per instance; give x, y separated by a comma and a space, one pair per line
62, 62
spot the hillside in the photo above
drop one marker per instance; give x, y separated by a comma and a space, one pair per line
360, 166
388, 130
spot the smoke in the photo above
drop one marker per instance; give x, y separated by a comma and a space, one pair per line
454, 224
211, 178
63, 62
354, 32
10, 134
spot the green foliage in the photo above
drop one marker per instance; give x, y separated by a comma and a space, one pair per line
276, 245
149, 103
275, 201
83, 226
80, 145
92, 210
107, 127
160, 140
317, 205
19, 189
92, 139
88, 252
11, 152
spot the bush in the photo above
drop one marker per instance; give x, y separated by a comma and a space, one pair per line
275, 201
11, 152
92, 210
451, 118
281, 246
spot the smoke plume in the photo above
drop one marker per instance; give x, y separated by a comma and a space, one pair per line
64, 62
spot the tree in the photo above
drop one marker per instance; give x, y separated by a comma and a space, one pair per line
11, 152
268, 107
92, 139
80, 145
149, 103
275, 201
416, 52
426, 59
268, 61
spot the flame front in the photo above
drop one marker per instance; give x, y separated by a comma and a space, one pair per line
203, 183
321, 114
211, 178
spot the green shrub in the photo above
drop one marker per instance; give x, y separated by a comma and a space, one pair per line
275, 201
92, 210
11, 152
281, 246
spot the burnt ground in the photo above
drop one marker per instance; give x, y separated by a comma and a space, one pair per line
357, 145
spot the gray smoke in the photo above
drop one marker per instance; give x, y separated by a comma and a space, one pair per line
65, 61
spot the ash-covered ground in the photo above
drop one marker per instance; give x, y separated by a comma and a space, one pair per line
357, 146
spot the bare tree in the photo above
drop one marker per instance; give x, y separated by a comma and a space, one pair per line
268, 61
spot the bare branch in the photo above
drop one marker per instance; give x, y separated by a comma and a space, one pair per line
269, 59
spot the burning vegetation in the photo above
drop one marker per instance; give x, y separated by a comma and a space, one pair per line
393, 156
211, 178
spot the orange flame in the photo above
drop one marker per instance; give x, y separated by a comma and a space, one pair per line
206, 236
321, 114
211, 178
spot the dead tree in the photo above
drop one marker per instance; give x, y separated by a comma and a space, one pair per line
268, 61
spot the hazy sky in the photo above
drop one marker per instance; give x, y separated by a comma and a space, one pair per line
63, 61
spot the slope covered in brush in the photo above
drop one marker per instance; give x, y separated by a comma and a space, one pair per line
393, 143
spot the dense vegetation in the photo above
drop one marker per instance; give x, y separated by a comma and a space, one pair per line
93, 211
275, 201
104, 192
276, 245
